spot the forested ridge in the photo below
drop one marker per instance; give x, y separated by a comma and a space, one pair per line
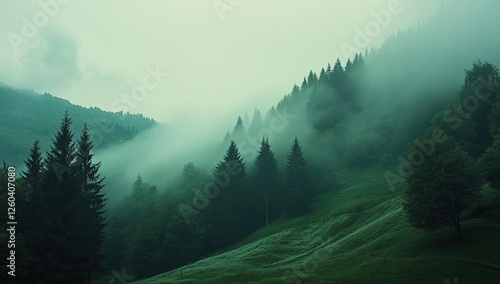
27, 116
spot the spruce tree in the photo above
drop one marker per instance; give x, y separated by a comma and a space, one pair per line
33, 172
304, 85
299, 191
63, 230
238, 133
323, 77
266, 184
32, 178
312, 78
229, 215
257, 124
338, 76
59, 204
91, 185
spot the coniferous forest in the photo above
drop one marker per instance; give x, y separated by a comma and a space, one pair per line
382, 166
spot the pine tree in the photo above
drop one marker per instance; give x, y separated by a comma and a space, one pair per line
91, 188
312, 78
304, 85
229, 210
295, 91
323, 77
238, 133
348, 67
338, 76
266, 183
329, 70
299, 191
32, 177
59, 204
257, 124
62, 232
33, 172
227, 138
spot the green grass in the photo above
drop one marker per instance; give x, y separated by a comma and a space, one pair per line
356, 233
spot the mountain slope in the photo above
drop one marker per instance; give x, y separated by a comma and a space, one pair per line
356, 234
26, 116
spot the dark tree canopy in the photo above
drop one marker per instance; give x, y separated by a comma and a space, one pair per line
299, 190
64, 216
266, 184
440, 187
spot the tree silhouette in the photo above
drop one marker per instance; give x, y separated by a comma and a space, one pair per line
299, 190
266, 183
440, 188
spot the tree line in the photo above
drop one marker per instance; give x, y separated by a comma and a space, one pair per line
151, 232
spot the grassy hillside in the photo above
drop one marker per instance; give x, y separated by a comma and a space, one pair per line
355, 234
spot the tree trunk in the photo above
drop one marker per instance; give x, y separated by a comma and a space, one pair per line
458, 228
267, 209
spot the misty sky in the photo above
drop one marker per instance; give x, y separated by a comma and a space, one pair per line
198, 61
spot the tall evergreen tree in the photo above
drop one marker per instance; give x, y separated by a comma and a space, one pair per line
266, 183
299, 190
91, 185
338, 76
238, 133
295, 91
303, 86
33, 172
257, 124
348, 66
312, 78
57, 239
227, 138
329, 70
323, 77
61, 213
229, 215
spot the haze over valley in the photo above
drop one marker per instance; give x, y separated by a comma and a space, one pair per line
250, 142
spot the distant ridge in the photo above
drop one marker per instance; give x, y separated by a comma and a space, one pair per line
26, 116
